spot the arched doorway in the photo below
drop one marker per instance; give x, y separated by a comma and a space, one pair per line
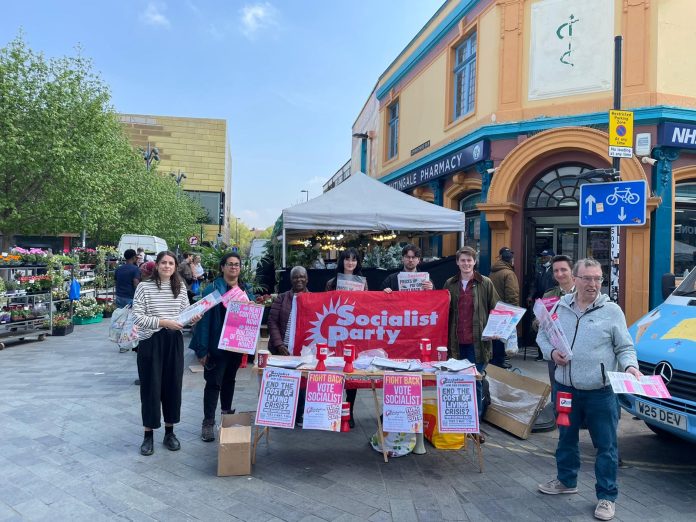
508, 190
551, 221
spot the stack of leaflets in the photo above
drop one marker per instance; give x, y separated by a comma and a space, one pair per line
452, 365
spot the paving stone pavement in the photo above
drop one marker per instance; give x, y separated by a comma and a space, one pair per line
70, 434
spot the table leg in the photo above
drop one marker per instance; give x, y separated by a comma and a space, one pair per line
379, 422
258, 435
477, 449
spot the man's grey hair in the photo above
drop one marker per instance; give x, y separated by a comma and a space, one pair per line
587, 263
298, 270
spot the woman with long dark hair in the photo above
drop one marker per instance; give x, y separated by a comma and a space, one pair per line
156, 305
349, 264
220, 366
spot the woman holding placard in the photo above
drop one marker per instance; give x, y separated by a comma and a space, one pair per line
156, 304
220, 366
348, 265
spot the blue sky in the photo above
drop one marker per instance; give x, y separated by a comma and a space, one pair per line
290, 77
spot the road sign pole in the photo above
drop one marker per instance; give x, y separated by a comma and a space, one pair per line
616, 163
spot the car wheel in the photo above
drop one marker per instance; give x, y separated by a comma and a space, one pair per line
660, 432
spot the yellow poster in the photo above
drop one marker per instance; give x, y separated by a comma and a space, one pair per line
620, 129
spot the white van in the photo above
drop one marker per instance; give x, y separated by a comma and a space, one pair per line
150, 244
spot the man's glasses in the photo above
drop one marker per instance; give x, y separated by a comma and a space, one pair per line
232, 265
591, 279
410, 257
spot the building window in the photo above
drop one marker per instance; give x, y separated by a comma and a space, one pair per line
558, 187
464, 77
393, 143
684, 227
210, 201
471, 236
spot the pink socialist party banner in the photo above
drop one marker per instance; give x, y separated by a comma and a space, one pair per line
403, 402
324, 396
241, 330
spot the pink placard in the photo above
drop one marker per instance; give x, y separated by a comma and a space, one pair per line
403, 402
234, 294
242, 325
457, 409
278, 398
324, 396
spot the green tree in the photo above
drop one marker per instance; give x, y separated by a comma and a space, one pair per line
65, 162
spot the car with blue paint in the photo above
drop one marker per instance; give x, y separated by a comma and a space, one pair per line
665, 341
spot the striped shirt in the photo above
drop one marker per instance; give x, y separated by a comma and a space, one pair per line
150, 304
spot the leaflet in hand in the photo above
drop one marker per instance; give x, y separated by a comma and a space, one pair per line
199, 308
648, 385
549, 325
350, 282
234, 294
502, 321
412, 281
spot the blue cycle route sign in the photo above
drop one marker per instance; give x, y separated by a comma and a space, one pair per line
615, 204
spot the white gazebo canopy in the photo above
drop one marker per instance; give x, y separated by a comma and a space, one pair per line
364, 203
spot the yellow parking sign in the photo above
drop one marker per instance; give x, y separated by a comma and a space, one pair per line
620, 129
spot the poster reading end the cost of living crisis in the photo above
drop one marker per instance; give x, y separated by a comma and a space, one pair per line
278, 398
457, 410
324, 397
403, 402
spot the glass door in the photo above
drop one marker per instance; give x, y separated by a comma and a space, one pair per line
567, 241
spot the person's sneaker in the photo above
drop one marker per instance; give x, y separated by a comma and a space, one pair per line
605, 510
208, 430
146, 448
171, 442
556, 487
123, 350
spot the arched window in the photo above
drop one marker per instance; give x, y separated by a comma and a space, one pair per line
684, 227
472, 227
558, 187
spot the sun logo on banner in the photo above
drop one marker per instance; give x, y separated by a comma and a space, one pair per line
334, 309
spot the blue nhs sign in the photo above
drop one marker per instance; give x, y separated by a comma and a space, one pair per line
619, 203
681, 135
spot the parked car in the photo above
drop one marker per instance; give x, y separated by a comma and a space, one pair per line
152, 245
665, 341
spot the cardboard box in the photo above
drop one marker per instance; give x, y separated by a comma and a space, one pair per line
516, 400
234, 445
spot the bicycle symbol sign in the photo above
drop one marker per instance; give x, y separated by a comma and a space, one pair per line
619, 203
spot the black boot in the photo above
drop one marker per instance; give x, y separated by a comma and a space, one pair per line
170, 441
146, 448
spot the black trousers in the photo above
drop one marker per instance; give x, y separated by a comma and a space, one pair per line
161, 372
220, 375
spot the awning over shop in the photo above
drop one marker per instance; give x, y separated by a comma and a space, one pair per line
364, 203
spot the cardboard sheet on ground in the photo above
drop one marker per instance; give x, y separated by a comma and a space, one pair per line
516, 401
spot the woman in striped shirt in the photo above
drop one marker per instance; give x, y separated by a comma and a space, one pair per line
156, 305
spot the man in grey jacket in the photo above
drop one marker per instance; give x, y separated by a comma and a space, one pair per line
600, 343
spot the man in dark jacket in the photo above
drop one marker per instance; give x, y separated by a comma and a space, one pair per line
410, 257
508, 287
543, 281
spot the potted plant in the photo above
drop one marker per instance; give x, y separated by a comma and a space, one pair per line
108, 308
266, 300
62, 325
87, 311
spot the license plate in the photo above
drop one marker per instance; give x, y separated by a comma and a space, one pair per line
670, 418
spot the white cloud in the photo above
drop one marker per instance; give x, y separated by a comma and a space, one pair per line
256, 17
154, 15
317, 180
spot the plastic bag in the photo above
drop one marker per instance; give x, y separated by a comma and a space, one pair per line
129, 331
398, 444
511, 347
196, 287
118, 321
74, 291
450, 441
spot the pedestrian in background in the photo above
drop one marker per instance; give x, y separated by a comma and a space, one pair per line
600, 343
506, 284
186, 274
127, 277
543, 281
156, 306
219, 366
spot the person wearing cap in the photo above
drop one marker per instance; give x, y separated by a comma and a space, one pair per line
543, 281
508, 287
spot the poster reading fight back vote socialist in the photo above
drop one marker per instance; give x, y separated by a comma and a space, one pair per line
394, 322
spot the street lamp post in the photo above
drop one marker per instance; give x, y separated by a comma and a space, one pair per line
236, 231
149, 155
306, 192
